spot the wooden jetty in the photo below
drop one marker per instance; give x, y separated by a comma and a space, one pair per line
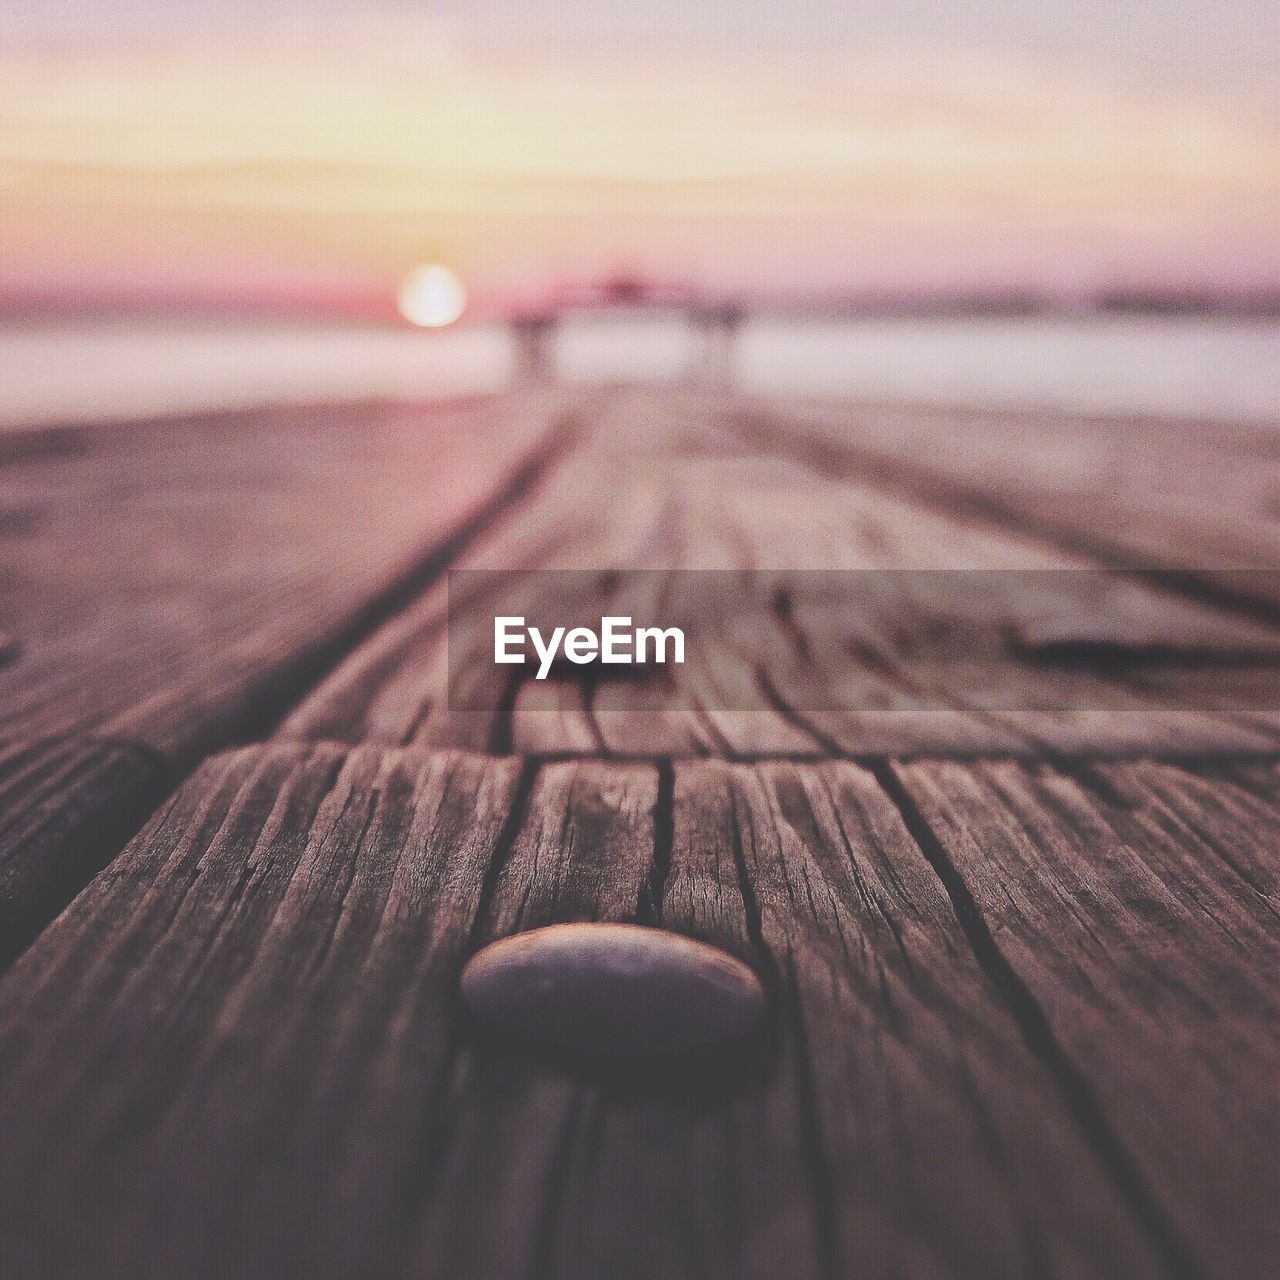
1021, 948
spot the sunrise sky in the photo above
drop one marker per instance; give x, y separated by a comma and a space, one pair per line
818, 145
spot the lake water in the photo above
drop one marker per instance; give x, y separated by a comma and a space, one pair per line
1219, 369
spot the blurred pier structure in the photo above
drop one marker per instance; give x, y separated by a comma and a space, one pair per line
714, 323
717, 330
533, 336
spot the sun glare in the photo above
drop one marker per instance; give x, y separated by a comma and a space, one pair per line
432, 296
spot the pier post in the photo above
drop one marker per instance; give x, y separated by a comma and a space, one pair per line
532, 337
717, 331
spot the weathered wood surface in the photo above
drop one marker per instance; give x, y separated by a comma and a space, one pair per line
1133, 916
271, 882
1010, 876
239, 1052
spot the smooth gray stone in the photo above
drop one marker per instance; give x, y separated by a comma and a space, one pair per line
613, 990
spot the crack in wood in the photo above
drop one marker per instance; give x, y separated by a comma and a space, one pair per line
520, 805
649, 908
1075, 1090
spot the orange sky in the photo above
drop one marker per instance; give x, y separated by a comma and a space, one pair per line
266, 166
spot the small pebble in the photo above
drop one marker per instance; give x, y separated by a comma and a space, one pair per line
613, 991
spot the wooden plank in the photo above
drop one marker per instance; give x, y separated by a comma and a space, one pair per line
550, 1176
941, 1145
1230, 467
1161, 494
1210, 814
1133, 919
997, 684
397, 688
903, 1127
231, 1054
969, 695
868, 682
1262, 777
174, 577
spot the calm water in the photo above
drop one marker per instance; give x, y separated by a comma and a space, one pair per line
1199, 368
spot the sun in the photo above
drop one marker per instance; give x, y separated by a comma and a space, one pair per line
432, 296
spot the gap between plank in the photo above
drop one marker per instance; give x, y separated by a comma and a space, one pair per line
649, 907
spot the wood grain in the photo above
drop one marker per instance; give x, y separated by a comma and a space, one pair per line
239, 1052
1190, 496
1132, 916
941, 1145
232, 1053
